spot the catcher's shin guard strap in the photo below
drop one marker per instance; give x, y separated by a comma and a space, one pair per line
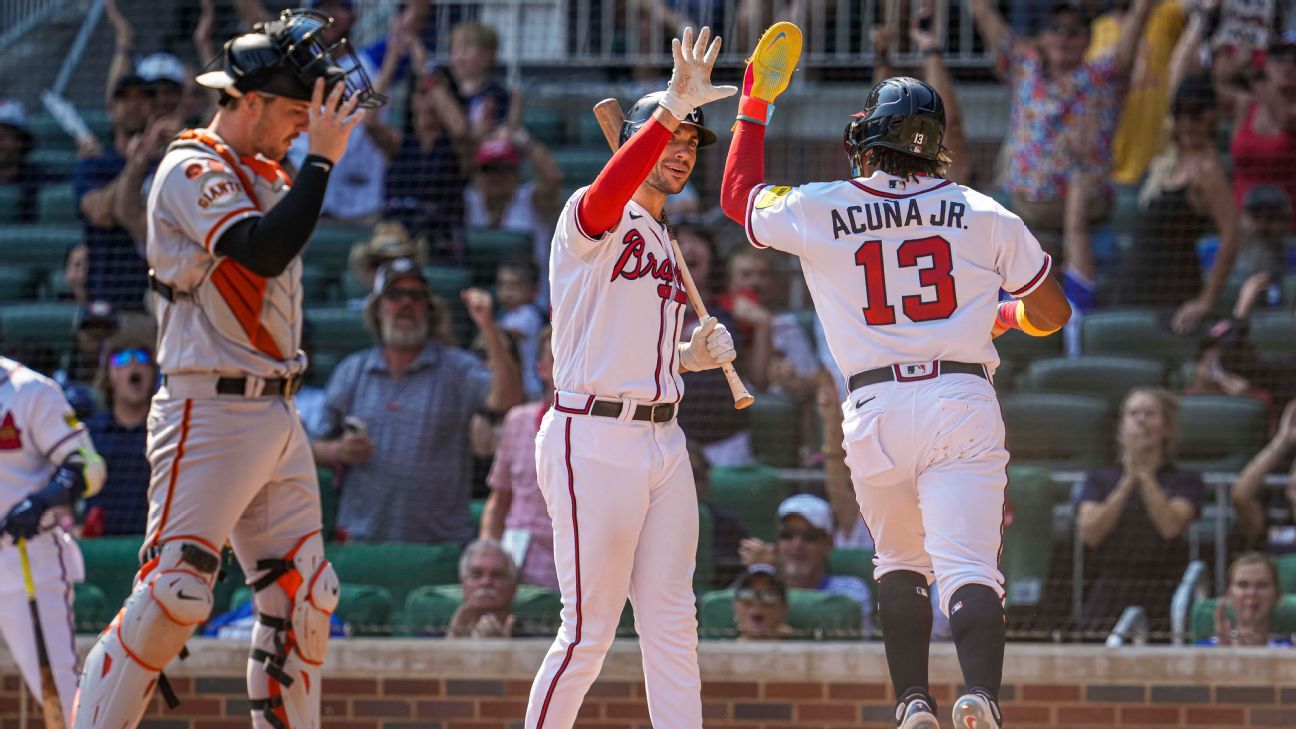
757, 111
267, 707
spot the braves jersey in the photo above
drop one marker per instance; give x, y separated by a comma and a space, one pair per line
223, 318
617, 309
38, 431
900, 271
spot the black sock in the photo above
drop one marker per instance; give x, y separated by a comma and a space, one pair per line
977, 622
904, 607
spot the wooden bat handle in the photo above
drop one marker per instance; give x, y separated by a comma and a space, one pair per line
608, 113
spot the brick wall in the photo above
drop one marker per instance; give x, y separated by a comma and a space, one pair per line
400, 684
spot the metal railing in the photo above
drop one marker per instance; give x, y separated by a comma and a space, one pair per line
17, 17
1193, 588
1131, 628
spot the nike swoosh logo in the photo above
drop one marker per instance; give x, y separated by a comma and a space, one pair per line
865, 401
181, 594
634, 216
321, 165
777, 37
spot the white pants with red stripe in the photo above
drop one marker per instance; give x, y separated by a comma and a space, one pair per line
55, 564
625, 521
929, 468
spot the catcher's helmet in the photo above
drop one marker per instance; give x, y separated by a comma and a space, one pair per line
284, 57
901, 113
643, 110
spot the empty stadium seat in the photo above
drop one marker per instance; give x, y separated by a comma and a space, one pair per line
1220, 432
111, 564
398, 566
321, 366
1203, 617
56, 163
1109, 377
331, 243
90, 609
38, 246
854, 562
1028, 535
365, 609
1274, 333
428, 609
10, 201
775, 436
545, 123
317, 284
1134, 332
56, 204
46, 323
580, 165
588, 131
1286, 573
52, 286
704, 563
448, 281
17, 283
1019, 347
1058, 430
753, 492
488, 247
811, 614
338, 329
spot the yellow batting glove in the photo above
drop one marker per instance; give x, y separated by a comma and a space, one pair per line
769, 70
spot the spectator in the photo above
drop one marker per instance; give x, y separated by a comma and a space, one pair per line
407, 472
389, 241
1185, 195
126, 380
1064, 109
167, 78
1266, 224
515, 288
1263, 149
489, 580
760, 604
16, 142
748, 288
1244, 616
1133, 517
1250, 496
515, 512
499, 199
727, 531
472, 60
1228, 362
425, 179
801, 554
91, 327
75, 266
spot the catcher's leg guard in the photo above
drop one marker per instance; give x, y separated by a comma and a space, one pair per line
172, 595
287, 652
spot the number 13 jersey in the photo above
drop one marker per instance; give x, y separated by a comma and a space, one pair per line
900, 270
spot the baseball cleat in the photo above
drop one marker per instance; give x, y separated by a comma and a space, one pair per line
916, 714
976, 711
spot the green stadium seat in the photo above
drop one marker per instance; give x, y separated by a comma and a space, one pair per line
753, 492
54, 162
368, 610
38, 246
331, 243
545, 123
428, 609
1220, 432
588, 131
328, 501
1020, 348
98, 121
1203, 617
811, 614
339, 329
1286, 573
48, 133
448, 281
52, 286
1274, 333
580, 165
398, 566
854, 562
321, 366
775, 430
705, 567
317, 284
111, 564
488, 247
17, 283
1057, 430
1105, 376
10, 201
44, 323
91, 611
1135, 332
352, 287
57, 204
1028, 539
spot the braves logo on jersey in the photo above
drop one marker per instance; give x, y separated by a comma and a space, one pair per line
634, 264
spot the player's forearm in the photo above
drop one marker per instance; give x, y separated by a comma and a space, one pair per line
601, 206
744, 169
265, 245
506, 379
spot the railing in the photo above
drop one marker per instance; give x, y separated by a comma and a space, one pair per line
1193, 588
17, 17
1131, 628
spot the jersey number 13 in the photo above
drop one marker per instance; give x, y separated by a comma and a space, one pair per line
937, 276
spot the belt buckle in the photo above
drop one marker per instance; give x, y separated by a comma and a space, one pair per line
287, 382
652, 413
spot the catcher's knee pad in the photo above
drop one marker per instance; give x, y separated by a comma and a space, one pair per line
172, 596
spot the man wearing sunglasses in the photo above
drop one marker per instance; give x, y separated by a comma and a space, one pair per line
228, 455
125, 382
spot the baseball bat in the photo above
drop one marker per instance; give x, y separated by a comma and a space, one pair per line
50, 704
608, 113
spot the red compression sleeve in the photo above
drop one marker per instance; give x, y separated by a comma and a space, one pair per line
601, 207
744, 169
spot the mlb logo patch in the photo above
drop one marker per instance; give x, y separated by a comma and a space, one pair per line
914, 371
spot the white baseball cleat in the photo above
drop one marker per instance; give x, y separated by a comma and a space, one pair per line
976, 711
917, 714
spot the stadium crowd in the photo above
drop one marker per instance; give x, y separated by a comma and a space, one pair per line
1151, 146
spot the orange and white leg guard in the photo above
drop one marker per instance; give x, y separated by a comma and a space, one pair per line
172, 596
288, 652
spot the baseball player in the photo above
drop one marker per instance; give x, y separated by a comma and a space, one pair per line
228, 454
611, 460
905, 269
46, 461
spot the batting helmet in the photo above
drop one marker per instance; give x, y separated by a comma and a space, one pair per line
643, 110
284, 57
901, 113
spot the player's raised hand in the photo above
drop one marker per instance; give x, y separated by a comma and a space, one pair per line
690, 83
331, 120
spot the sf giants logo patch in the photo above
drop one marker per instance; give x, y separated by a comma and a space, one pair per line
10, 435
218, 190
634, 263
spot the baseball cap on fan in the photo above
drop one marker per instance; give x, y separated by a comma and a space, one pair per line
161, 67
394, 269
809, 507
497, 153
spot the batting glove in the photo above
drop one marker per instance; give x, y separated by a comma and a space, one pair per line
769, 71
23, 521
690, 83
710, 346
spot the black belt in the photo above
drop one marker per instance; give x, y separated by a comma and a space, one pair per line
658, 413
273, 387
164, 290
896, 373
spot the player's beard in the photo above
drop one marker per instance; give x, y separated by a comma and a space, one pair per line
399, 335
658, 181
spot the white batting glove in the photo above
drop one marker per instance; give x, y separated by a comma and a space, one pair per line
710, 346
690, 83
